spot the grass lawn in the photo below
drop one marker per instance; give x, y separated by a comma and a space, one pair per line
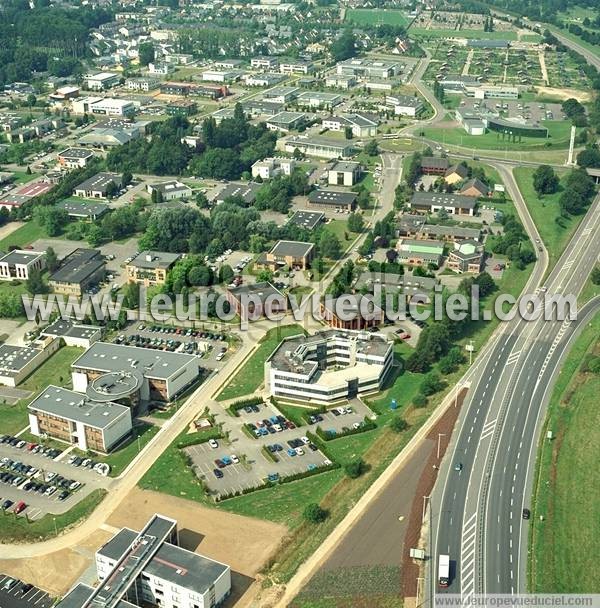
559, 133
340, 229
592, 48
18, 529
56, 370
25, 235
423, 33
119, 460
285, 502
376, 16
545, 211
22, 177
250, 376
530, 38
588, 292
566, 545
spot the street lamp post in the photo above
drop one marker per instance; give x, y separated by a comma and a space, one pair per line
440, 435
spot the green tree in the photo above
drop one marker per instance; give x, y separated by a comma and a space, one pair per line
355, 468
199, 276
264, 276
314, 513
146, 53
431, 384
344, 47
226, 274
398, 424
419, 400
371, 148
329, 245
355, 222
35, 283
545, 180
595, 276
51, 260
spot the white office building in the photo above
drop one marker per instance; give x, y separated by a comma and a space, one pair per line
329, 366
150, 568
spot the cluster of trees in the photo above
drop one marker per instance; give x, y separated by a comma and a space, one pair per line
343, 280
514, 243
590, 157
436, 341
488, 24
344, 47
44, 38
277, 193
438, 91
579, 189
545, 180
589, 36
574, 110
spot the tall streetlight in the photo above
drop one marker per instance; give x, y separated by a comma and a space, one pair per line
440, 435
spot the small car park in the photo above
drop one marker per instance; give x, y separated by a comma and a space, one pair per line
15, 593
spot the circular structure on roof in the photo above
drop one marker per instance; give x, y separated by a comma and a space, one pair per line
114, 385
467, 248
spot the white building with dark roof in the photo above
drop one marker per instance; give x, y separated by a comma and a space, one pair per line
150, 568
170, 190
18, 263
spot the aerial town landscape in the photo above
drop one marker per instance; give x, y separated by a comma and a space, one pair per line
299, 303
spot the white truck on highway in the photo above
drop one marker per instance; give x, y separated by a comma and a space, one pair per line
443, 570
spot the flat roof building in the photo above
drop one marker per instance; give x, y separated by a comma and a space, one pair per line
431, 202
330, 366
293, 254
171, 190
72, 417
100, 185
331, 199
307, 219
18, 263
73, 334
18, 362
83, 209
344, 173
150, 267
247, 192
78, 271
158, 375
148, 567
74, 158
320, 147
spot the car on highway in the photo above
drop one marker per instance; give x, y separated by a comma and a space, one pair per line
526, 513
458, 466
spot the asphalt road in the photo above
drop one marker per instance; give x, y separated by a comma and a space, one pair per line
477, 512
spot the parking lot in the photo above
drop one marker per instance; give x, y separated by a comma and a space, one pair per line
22, 595
209, 346
234, 466
71, 484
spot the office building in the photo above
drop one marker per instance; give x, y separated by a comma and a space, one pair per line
293, 254
344, 173
78, 271
329, 366
18, 263
150, 267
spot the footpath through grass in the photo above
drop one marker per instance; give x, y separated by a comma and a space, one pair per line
566, 544
17, 529
250, 376
555, 229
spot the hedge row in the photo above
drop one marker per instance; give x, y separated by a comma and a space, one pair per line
199, 437
268, 454
236, 406
367, 425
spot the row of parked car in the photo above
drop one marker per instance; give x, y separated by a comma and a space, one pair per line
87, 463
272, 425
34, 448
182, 331
32, 479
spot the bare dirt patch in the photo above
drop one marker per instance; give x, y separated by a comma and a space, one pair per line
56, 572
579, 95
244, 543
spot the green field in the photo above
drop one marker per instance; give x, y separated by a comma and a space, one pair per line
250, 376
25, 235
545, 211
530, 38
56, 370
376, 16
479, 34
559, 133
566, 544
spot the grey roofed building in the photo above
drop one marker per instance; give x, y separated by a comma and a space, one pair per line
66, 329
333, 198
262, 106
404, 282
152, 260
475, 184
98, 185
433, 199
90, 210
78, 265
247, 192
14, 358
286, 120
107, 357
64, 403
105, 138
262, 290
20, 256
294, 249
452, 232
307, 219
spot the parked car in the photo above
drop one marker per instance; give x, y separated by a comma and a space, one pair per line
10, 583
218, 473
213, 443
21, 506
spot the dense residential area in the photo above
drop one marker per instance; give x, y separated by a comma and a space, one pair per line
298, 302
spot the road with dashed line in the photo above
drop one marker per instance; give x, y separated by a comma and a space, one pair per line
476, 512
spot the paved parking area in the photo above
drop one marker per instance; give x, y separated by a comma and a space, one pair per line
338, 423
208, 355
38, 504
15, 598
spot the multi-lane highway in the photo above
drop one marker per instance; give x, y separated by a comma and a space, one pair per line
476, 512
